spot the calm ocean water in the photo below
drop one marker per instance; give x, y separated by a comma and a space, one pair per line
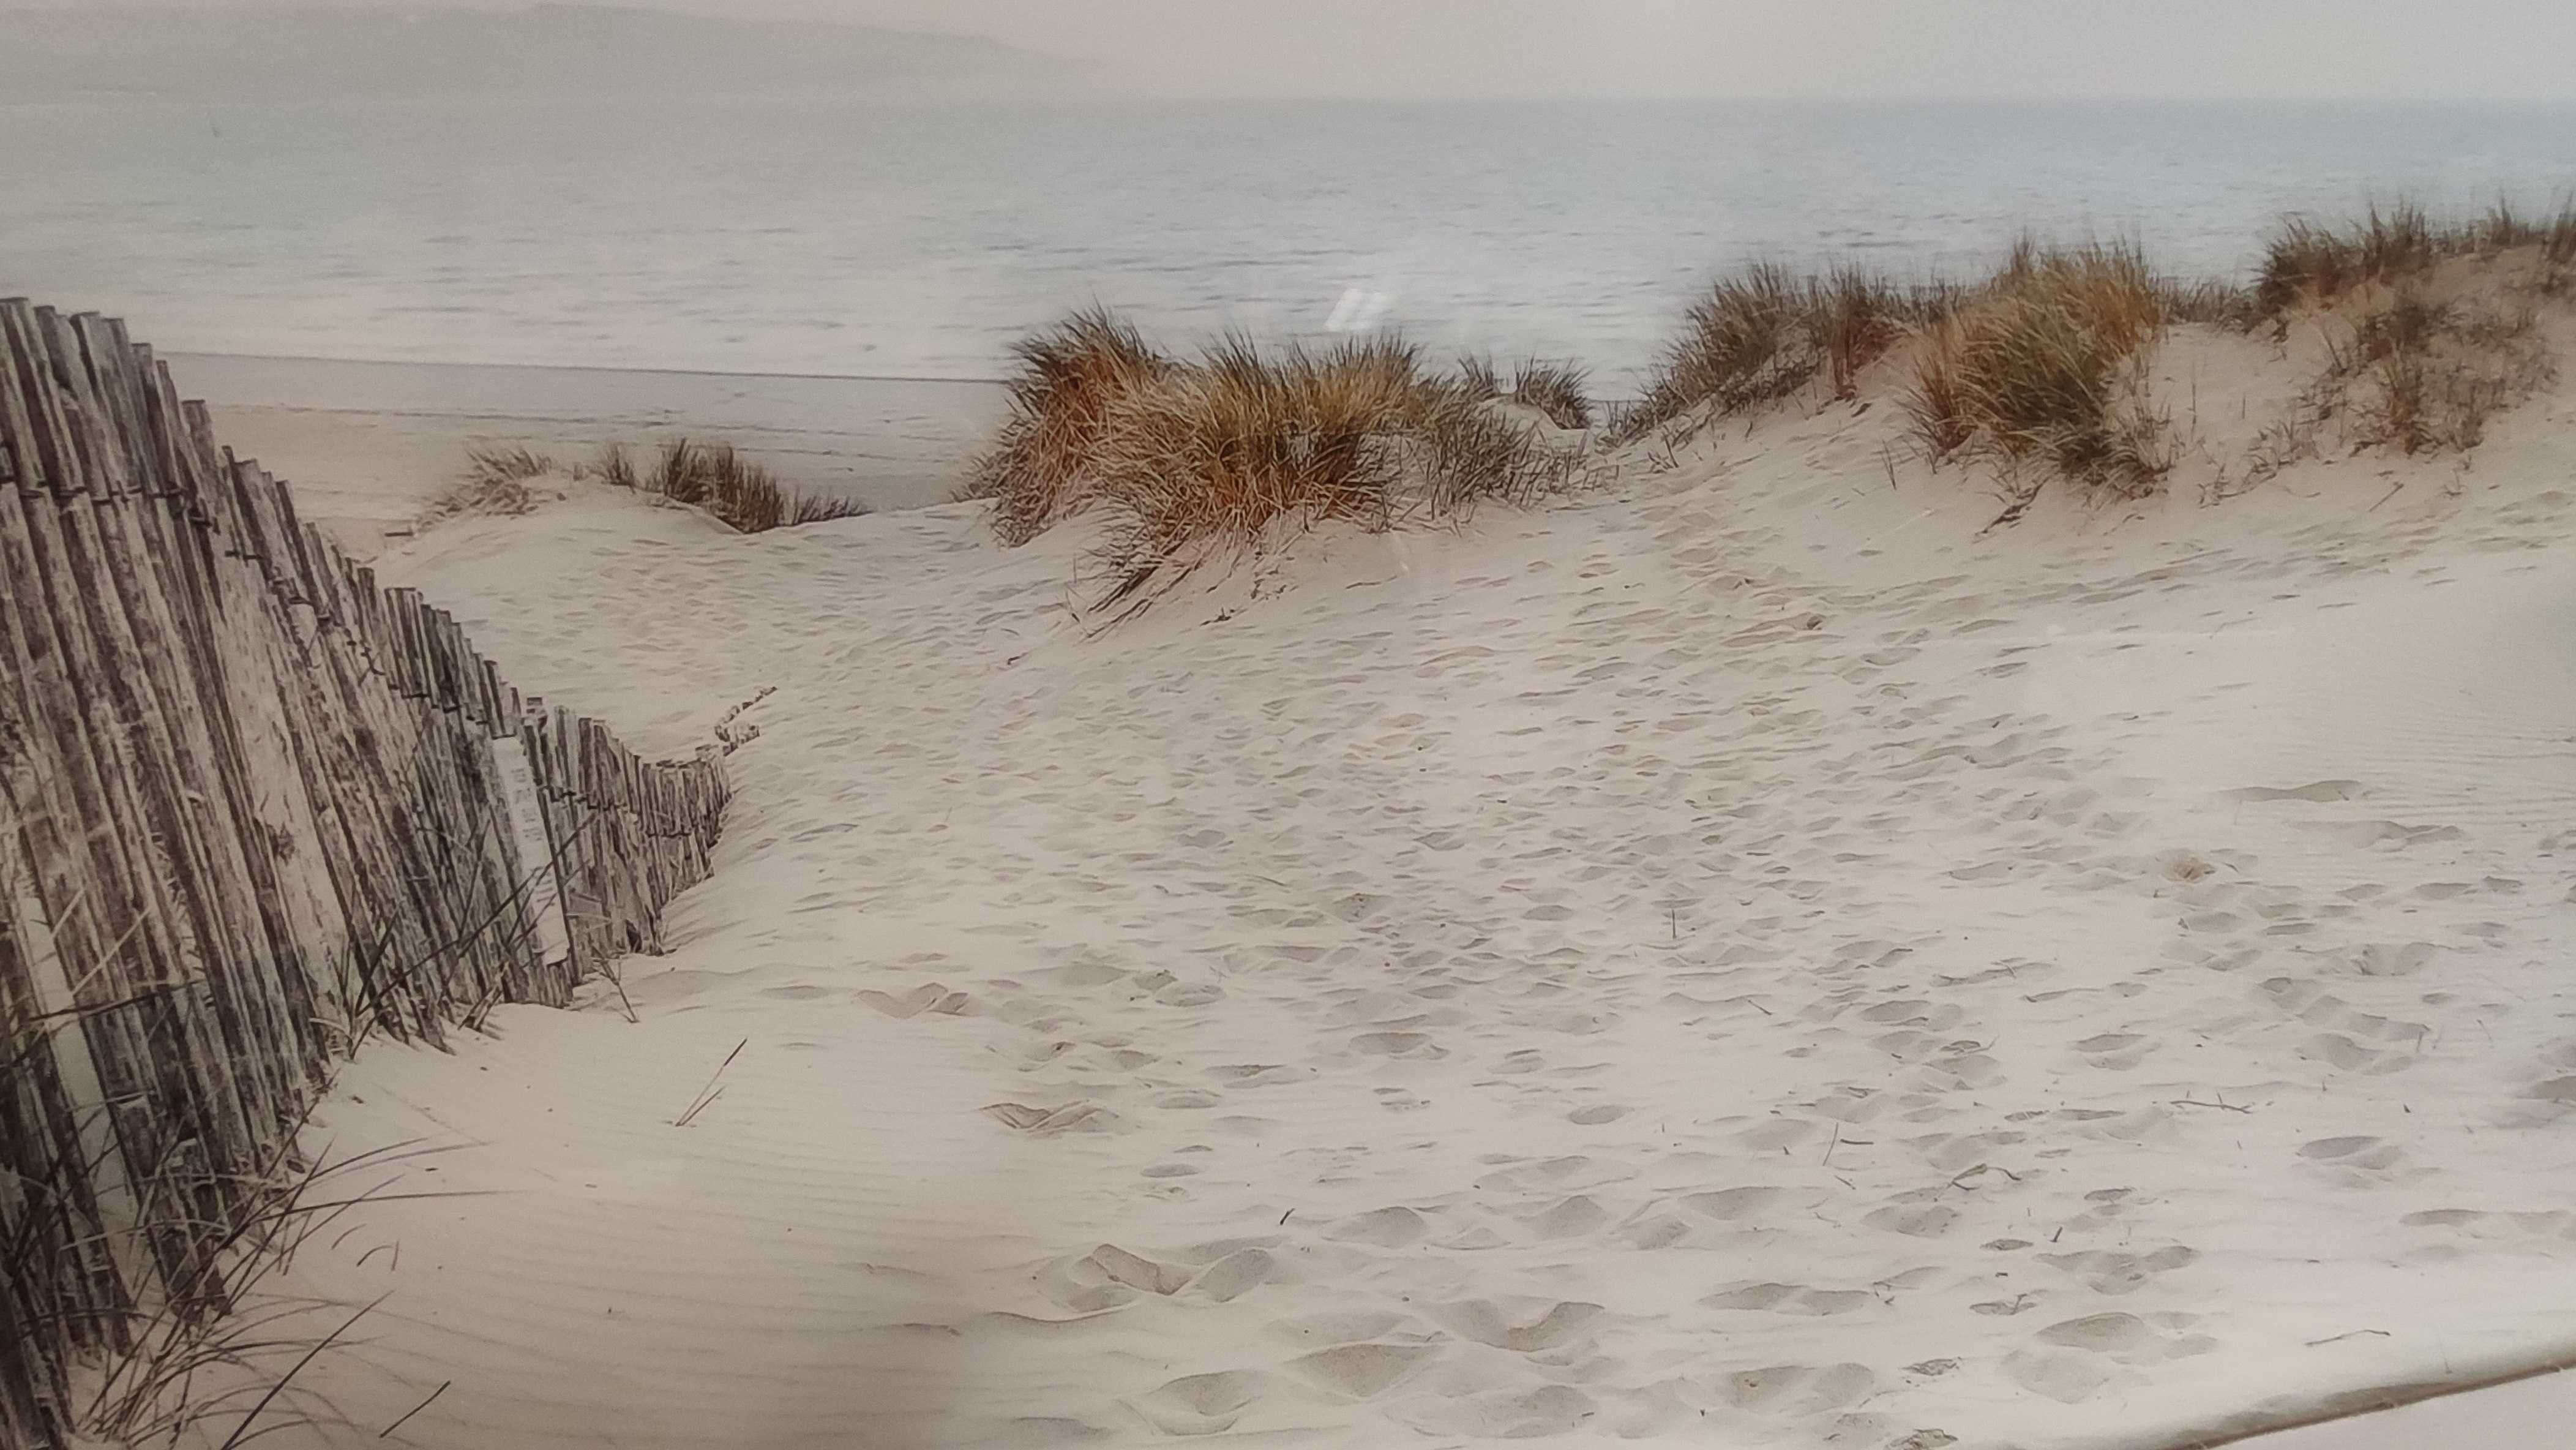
737, 235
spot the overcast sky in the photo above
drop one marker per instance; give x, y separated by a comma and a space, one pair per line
2398, 49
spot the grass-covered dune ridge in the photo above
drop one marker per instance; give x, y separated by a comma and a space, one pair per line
2395, 331
2403, 332
728, 486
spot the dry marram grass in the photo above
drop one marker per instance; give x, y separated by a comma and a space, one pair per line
494, 483
1477, 375
2426, 375
712, 477
2308, 263
2040, 372
2430, 328
1556, 389
1180, 458
1219, 453
1765, 332
2311, 263
613, 467
1069, 375
738, 492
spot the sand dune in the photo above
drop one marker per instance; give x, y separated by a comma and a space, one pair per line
1746, 960
372, 445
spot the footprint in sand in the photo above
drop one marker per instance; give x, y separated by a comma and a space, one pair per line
1568, 1218
1202, 1404
1912, 1012
2074, 1359
1654, 1231
2319, 792
2358, 1161
2109, 1272
1398, 1044
1136, 1271
1387, 1228
1916, 1214
2355, 1041
2394, 959
1237, 1274
1359, 1371
1574, 1170
1506, 1414
1797, 1389
1735, 1204
1522, 1325
1351, 1328
1969, 1156
2116, 1051
1790, 1299
1107, 1277
1256, 1074
1045, 1122
2385, 835
2337, 1050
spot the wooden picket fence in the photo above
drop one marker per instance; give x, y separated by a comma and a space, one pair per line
253, 808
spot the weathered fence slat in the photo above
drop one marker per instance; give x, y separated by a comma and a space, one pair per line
253, 807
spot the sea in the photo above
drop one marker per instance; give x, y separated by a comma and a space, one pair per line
860, 240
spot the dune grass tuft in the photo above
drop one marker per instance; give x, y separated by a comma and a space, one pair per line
1740, 347
1181, 458
2042, 366
1765, 332
1069, 376
491, 463
713, 477
1853, 317
2554, 235
1217, 453
1477, 375
2431, 328
2314, 264
494, 483
2210, 302
1556, 389
612, 467
738, 492
2430, 374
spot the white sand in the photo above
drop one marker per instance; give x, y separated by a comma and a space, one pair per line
369, 445
1742, 961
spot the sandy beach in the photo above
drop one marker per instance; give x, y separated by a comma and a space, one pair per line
371, 444
1749, 957
861, 725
